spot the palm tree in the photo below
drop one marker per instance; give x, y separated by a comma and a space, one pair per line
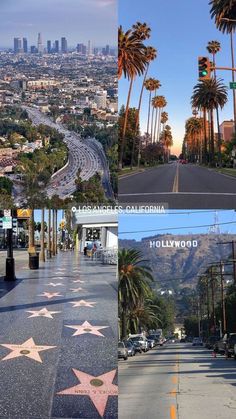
151, 54
156, 86
194, 129
49, 244
132, 61
159, 102
213, 47
224, 14
42, 242
141, 30
164, 119
134, 282
210, 94
167, 140
150, 87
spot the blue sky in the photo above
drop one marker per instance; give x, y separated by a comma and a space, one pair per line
37, 216
78, 20
183, 218
180, 33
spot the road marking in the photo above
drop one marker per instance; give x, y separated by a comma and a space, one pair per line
179, 193
172, 412
176, 180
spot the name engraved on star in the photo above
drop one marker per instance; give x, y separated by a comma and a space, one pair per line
173, 244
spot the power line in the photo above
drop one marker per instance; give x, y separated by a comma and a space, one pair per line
174, 228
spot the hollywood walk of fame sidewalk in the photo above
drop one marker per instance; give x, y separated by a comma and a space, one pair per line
58, 341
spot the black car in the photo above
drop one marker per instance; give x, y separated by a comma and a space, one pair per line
230, 345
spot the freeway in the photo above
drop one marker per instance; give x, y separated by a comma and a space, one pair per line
180, 186
178, 381
88, 156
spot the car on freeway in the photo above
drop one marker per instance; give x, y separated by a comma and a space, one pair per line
122, 351
197, 342
142, 340
210, 342
130, 347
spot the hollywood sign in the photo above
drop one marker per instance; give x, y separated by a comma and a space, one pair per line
173, 243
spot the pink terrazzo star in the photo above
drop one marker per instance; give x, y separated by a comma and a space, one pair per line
50, 295
44, 312
82, 303
86, 327
28, 349
76, 289
97, 388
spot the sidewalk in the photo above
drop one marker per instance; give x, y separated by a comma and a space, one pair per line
58, 341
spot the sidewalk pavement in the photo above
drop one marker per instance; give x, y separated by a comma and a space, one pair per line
58, 341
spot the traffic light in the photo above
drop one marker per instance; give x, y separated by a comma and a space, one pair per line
204, 68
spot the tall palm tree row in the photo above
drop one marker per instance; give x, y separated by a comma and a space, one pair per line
135, 278
132, 61
208, 95
167, 141
193, 128
158, 103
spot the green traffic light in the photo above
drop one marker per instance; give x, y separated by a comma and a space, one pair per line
204, 73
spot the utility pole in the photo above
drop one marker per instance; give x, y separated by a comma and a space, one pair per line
213, 298
223, 297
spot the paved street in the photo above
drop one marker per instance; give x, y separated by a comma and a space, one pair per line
58, 341
177, 381
180, 186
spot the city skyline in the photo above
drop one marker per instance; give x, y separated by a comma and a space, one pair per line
81, 20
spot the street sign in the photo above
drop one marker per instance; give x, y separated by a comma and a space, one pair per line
6, 222
7, 213
232, 85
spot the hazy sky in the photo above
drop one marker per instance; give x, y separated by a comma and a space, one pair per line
78, 20
176, 220
180, 32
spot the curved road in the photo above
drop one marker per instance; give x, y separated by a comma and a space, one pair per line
180, 186
88, 156
177, 381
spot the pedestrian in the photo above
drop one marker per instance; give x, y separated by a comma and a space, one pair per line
85, 250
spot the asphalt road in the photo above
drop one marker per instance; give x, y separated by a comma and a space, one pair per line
179, 186
177, 381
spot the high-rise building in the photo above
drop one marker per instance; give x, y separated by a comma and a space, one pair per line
101, 99
25, 45
56, 47
49, 47
33, 49
81, 49
107, 50
64, 47
17, 45
40, 44
89, 51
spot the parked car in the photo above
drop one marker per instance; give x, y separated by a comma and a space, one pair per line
122, 351
137, 346
231, 342
220, 345
182, 340
154, 337
130, 347
142, 340
151, 343
197, 342
210, 342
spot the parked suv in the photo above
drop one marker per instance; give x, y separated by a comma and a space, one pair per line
122, 351
142, 340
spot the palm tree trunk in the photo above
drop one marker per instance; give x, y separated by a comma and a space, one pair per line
152, 118
212, 138
218, 120
155, 126
122, 147
42, 250
53, 233
205, 137
159, 124
31, 246
49, 234
233, 76
56, 249
149, 109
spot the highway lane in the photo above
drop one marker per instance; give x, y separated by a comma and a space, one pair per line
180, 186
177, 381
88, 156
